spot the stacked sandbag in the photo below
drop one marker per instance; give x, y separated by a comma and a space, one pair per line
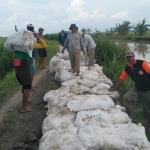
63, 140
23, 41
54, 63
59, 121
65, 55
82, 115
90, 102
62, 74
104, 136
113, 116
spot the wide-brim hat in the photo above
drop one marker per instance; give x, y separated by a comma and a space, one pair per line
73, 26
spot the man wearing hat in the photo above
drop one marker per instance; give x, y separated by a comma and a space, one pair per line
75, 44
139, 72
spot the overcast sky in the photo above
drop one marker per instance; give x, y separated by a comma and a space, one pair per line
54, 15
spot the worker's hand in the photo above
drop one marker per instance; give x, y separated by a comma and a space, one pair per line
83, 53
62, 51
36, 35
31, 60
112, 89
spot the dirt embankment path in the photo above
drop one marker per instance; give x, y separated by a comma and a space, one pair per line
23, 130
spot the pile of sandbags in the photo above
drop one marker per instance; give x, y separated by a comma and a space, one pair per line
83, 116
23, 41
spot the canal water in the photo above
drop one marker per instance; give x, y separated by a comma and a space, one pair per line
141, 49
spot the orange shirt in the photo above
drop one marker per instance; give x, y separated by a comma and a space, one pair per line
145, 66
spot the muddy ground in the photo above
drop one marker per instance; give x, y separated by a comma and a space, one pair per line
22, 131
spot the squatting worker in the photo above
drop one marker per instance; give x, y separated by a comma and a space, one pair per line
75, 44
90, 45
23, 73
139, 72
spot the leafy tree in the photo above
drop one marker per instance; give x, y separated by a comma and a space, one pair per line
124, 28
141, 28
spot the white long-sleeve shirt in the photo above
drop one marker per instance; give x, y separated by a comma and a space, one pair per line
89, 42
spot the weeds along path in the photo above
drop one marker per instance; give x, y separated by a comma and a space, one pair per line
16, 99
23, 130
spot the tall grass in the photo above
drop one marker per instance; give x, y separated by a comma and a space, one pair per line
6, 62
111, 57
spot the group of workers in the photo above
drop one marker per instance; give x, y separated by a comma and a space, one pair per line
75, 42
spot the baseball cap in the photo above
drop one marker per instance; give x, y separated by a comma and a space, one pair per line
129, 53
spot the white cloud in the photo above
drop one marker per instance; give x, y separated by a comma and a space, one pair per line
97, 15
119, 15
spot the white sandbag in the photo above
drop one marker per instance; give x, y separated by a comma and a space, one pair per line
89, 77
54, 63
96, 137
84, 59
80, 89
54, 94
53, 140
114, 95
133, 136
69, 83
23, 41
59, 121
87, 83
90, 102
59, 102
102, 89
65, 55
62, 75
66, 62
53, 110
113, 116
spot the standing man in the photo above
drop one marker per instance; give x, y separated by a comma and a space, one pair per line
62, 37
42, 52
75, 44
22, 71
139, 72
90, 45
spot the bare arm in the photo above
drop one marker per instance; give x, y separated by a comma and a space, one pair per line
118, 84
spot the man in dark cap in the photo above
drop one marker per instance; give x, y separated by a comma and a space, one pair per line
139, 72
75, 44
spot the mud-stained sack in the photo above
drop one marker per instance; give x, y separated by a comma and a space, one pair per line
113, 116
54, 94
59, 102
92, 77
22, 41
69, 83
99, 137
87, 83
54, 140
59, 121
80, 89
90, 102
